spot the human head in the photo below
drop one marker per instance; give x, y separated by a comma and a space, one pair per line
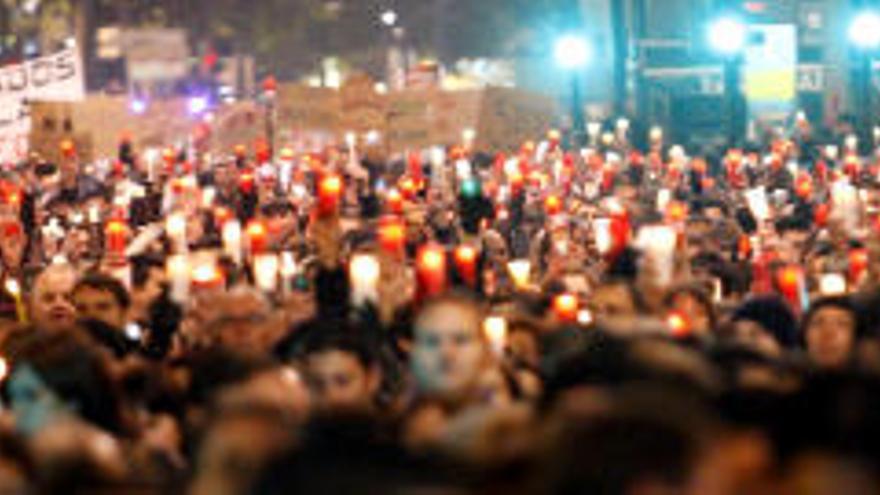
695, 305
449, 352
56, 374
615, 299
342, 370
765, 324
830, 331
50, 303
102, 297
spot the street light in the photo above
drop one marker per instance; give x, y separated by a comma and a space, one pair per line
389, 18
573, 53
864, 32
728, 36
864, 35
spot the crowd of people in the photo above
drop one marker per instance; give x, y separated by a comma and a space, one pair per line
603, 320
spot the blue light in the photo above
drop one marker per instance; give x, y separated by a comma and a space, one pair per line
728, 35
198, 105
572, 51
864, 32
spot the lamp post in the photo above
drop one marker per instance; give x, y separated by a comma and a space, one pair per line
864, 35
572, 54
270, 90
727, 37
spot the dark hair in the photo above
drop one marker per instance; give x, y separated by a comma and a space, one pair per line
838, 302
363, 350
773, 314
105, 283
141, 266
74, 369
699, 294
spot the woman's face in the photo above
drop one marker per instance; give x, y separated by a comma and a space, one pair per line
831, 336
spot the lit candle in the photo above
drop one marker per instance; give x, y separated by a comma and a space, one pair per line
14, 290
565, 307
392, 236
232, 240
520, 273
266, 272
178, 272
790, 281
175, 227
679, 326
431, 270
466, 264
658, 243
329, 192
394, 202
208, 195
832, 284
206, 275
553, 205
257, 237
363, 275
495, 331
858, 265
115, 233
246, 182
602, 237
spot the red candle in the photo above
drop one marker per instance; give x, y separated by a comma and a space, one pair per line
466, 264
431, 270
566, 306
246, 182
676, 212
257, 237
408, 187
678, 324
858, 264
804, 186
329, 192
394, 202
553, 205
68, 149
392, 236
820, 214
744, 247
115, 233
790, 281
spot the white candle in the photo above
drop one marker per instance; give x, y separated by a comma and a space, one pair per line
832, 284
266, 272
658, 243
520, 272
208, 195
664, 196
602, 235
232, 240
757, 200
363, 274
175, 227
178, 272
495, 330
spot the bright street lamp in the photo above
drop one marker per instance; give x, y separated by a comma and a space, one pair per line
389, 18
864, 31
572, 51
728, 36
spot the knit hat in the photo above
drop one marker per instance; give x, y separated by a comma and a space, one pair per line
774, 315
